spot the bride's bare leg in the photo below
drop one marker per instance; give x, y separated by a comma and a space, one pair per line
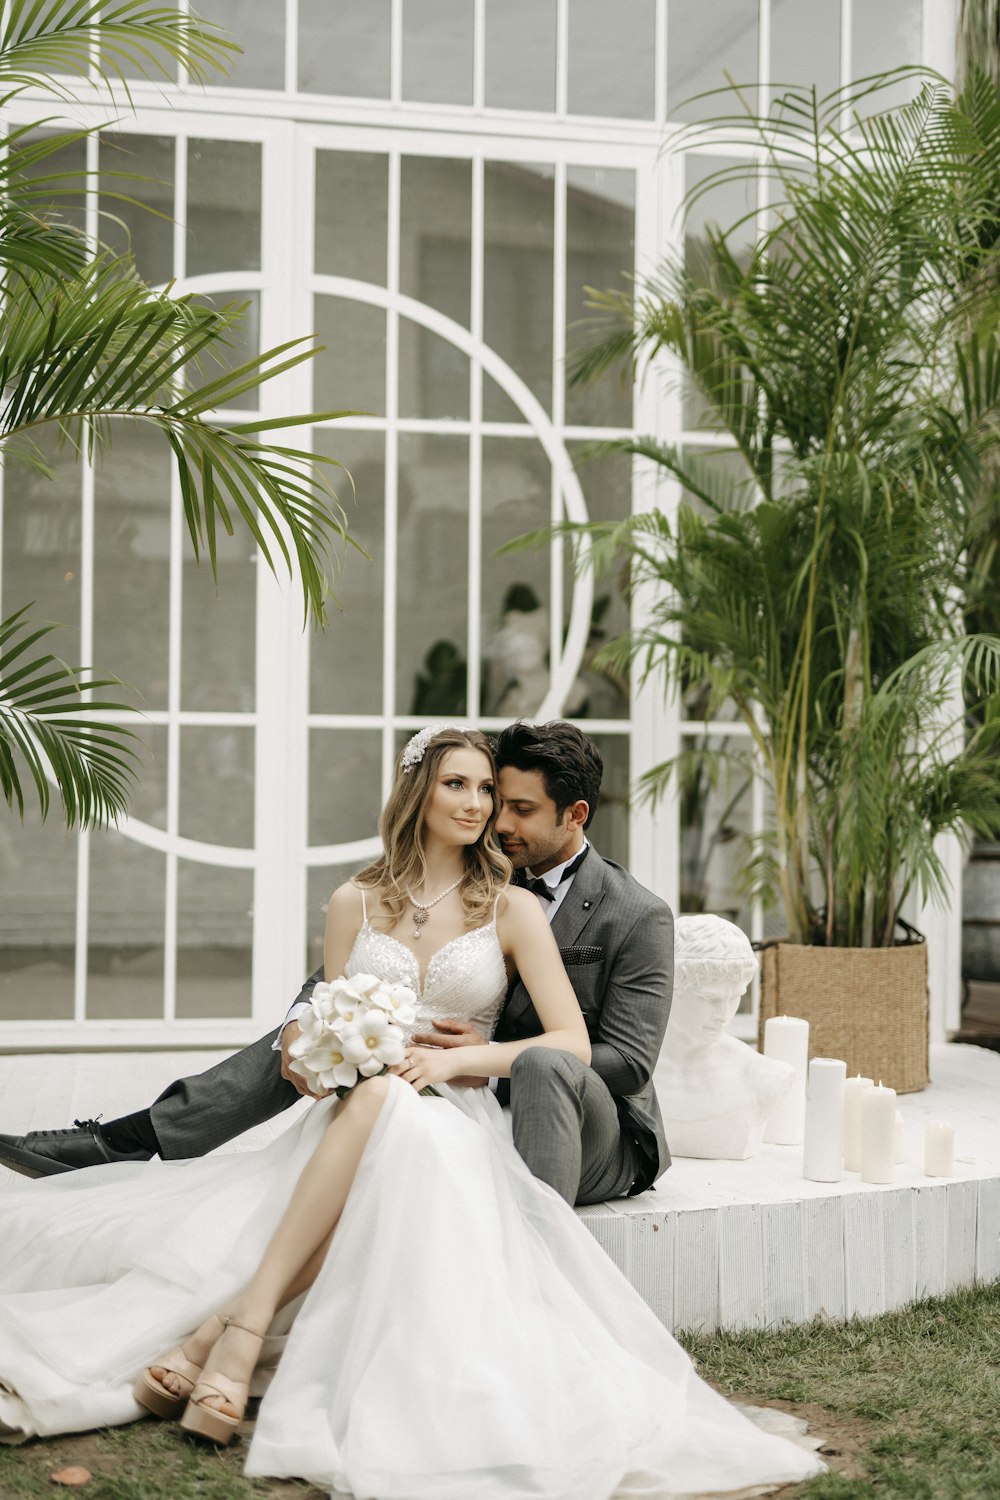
299, 1244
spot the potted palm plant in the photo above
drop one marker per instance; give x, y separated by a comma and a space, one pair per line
850, 361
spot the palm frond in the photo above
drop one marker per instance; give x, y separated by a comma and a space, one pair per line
53, 732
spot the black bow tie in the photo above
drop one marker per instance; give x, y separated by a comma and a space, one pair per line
541, 887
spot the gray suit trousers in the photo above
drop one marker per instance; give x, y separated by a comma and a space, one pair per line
566, 1127
196, 1114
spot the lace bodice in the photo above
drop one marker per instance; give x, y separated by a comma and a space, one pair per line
466, 979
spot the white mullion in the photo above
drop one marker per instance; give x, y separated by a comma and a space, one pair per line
479, 54
562, 57
291, 46
86, 619
475, 562
557, 551
175, 594
395, 52
764, 57
391, 571
660, 63
846, 42
183, 81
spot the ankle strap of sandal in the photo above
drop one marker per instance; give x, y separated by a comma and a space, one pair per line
228, 1322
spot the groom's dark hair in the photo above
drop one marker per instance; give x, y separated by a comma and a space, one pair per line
570, 763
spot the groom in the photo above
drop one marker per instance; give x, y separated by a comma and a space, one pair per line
592, 1133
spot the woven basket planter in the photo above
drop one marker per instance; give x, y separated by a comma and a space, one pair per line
866, 1005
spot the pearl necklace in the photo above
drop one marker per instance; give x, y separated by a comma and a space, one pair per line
421, 909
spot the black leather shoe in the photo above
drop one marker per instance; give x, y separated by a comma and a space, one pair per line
42, 1153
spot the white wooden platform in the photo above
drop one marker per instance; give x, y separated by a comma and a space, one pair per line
715, 1244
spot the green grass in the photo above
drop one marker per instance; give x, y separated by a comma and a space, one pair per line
908, 1403
913, 1397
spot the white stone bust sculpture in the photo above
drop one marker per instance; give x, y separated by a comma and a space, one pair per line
716, 1093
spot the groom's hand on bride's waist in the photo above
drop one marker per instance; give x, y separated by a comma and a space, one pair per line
448, 1033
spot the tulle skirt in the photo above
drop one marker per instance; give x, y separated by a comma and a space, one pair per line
466, 1338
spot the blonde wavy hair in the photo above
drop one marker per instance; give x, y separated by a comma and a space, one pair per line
402, 866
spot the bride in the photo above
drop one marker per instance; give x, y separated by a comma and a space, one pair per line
446, 1325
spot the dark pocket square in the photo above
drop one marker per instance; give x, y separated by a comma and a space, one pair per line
571, 956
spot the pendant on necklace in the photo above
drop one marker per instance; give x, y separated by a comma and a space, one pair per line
420, 916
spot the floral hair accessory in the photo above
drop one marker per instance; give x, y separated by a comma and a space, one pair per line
416, 748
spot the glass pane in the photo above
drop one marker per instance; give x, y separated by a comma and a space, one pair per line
517, 481
214, 941
715, 814
521, 54
345, 775
242, 343
517, 312
600, 251
223, 206
345, 659
609, 831
148, 802
805, 44
884, 36
323, 880
218, 651
352, 243
41, 541
611, 58
433, 374
730, 204
344, 48
349, 374
601, 693
216, 784
132, 564
437, 51
260, 30
433, 587
700, 56
125, 949
37, 917
147, 231
435, 249
61, 200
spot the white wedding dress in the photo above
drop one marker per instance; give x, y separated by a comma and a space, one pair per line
466, 1339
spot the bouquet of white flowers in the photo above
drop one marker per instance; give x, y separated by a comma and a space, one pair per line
352, 1030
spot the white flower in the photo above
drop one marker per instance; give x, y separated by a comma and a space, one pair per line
322, 1062
351, 997
398, 1001
373, 1043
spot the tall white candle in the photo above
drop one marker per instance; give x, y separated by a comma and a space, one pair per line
787, 1038
878, 1135
823, 1144
854, 1089
939, 1149
900, 1139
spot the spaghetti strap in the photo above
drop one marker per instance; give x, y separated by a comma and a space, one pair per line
364, 903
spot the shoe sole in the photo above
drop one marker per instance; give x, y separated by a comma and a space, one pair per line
30, 1164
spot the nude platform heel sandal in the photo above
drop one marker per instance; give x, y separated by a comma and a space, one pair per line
204, 1421
154, 1396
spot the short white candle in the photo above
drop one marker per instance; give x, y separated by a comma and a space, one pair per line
823, 1145
900, 1141
787, 1039
878, 1135
854, 1088
939, 1149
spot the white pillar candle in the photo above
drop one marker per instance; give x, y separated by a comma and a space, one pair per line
939, 1149
823, 1141
878, 1135
787, 1038
900, 1141
854, 1089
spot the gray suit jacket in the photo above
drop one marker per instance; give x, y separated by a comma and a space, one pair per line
617, 942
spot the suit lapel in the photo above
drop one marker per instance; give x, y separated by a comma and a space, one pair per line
569, 923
